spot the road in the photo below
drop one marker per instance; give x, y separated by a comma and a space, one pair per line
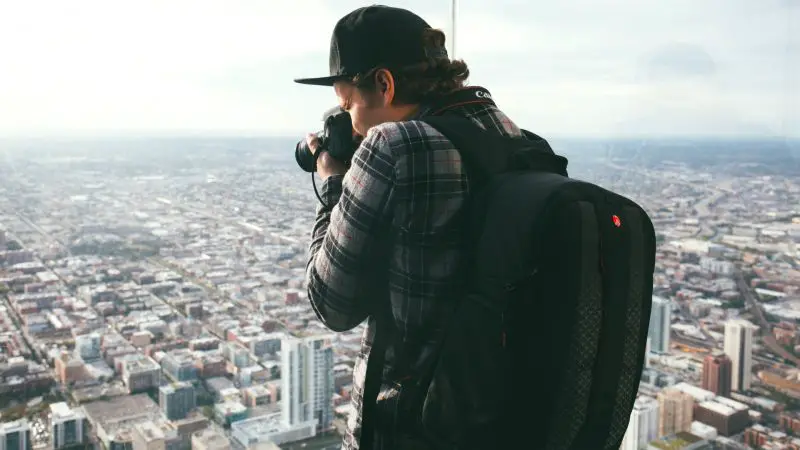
715, 194
41, 231
688, 315
232, 222
767, 338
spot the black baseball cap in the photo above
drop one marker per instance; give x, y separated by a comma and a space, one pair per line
375, 36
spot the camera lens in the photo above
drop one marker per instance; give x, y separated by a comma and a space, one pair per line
305, 159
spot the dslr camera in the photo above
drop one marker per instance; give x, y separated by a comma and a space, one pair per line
336, 138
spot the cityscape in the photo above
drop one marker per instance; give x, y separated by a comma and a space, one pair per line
152, 295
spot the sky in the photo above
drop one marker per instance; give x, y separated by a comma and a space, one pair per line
582, 68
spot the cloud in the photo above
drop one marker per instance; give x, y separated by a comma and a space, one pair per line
679, 60
578, 67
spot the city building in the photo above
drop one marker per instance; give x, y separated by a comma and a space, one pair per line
152, 435
88, 346
643, 426
114, 420
717, 372
228, 412
716, 266
267, 430
15, 435
307, 377
679, 441
739, 348
728, 416
177, 400
699, 395
179, 365
140, 373
210, 439
67, 426
660, 322
674, 411
790, 422
704, 431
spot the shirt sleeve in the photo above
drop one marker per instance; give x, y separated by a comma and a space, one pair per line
345, 238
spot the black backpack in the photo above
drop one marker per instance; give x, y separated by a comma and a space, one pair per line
546, 348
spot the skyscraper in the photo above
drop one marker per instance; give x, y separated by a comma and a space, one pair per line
177, 400
674, 411
660, 321
307, 377
643, 426
739, 348
717, 374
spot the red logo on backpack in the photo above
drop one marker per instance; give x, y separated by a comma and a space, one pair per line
617, 222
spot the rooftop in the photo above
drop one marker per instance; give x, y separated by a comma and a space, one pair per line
174, 387
720, 407
16, 425
141, 363
731, 403
121, 408
260, 426
699, 394
212, 438
62, 411
676, 442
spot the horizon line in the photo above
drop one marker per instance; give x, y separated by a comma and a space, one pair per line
298, 136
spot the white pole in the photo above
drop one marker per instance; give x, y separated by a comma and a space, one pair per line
453, 29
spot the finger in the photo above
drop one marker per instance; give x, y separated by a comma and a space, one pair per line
313, 142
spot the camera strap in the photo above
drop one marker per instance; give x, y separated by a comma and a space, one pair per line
473, 95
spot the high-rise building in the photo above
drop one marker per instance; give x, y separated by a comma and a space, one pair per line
674, 411
307, 377
660, 322
717, 374
67, 426
643, 426
177, 400
739, 348
15, 435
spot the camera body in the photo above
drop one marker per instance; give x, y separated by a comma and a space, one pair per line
336, 138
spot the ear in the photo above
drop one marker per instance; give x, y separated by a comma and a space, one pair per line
384, 83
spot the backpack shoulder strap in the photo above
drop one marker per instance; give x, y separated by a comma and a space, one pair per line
487, 153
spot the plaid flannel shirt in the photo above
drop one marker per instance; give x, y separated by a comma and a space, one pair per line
403, 192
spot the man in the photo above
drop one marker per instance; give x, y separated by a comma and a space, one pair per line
389, 249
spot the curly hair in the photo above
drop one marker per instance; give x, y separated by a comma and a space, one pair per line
422, 82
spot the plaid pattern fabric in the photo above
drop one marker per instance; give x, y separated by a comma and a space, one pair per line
403, 192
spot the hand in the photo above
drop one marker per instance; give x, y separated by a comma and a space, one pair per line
327, 165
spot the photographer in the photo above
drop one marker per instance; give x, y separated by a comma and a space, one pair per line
387, 242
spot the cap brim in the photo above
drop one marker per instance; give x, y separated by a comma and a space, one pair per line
320, 81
